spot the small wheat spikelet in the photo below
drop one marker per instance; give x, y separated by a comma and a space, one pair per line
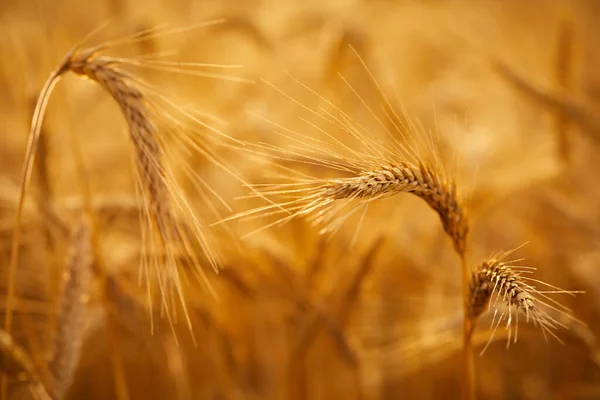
161, 134
506, 288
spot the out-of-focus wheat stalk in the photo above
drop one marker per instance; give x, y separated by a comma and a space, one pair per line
576, 110
25, 178
565, 68
21, 359
71, 311
342, 305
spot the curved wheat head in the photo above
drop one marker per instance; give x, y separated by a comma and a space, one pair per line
392, 157
161, 134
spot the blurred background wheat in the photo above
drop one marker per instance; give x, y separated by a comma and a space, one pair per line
509, 90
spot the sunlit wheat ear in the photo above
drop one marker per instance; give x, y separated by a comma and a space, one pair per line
510, 292
392, 156
403, 177
161, 134
71, 311
332, 201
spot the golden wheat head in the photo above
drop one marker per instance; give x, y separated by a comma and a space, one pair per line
394, 156
403, 177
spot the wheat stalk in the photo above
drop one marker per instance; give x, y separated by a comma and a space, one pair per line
571, 107
564, 78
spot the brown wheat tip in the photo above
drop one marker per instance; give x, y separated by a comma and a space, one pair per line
507, 289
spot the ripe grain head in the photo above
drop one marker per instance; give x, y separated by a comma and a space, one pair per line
362, 163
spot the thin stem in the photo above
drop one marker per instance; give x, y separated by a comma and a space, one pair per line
468, 371
564, 75
32, 144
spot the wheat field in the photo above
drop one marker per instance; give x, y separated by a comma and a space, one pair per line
299, 200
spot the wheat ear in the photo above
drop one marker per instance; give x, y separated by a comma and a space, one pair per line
71, 311
148, 152
317, 198
383, 178
142, 133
